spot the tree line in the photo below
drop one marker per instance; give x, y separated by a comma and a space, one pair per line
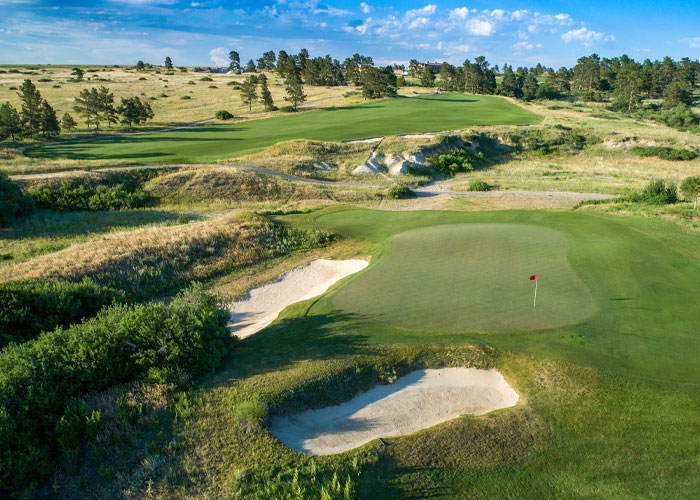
36, 117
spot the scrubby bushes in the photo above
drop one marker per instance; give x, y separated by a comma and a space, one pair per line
30, 307
477, 185
657, 192
455, 161
663, 152
42, 381
690, 187
681, 117
397, 192
13, 202
222, 114
543, 142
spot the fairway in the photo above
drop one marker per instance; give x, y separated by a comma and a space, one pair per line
470, 277
399, 115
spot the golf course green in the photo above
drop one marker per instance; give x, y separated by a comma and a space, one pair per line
615, 294
471, 277
399, 115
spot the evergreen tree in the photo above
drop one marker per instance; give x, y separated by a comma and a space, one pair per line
510, 86
427, 78
31, 107
106, 103
235, 64
168, 63
87, 104
294, 89
249, 91
677, 93
250, 67
10, 122
265, 94
68, 123
530, 86
378, 83
78, 73
140, 65
134, 111
50, 126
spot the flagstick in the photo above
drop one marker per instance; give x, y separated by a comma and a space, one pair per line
534, 301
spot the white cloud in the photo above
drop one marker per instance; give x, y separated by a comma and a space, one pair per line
418, 22
428, 10
365, 8
459, 13
519, 15
586, 36
693, 42
331, 11
219, 56
481, 28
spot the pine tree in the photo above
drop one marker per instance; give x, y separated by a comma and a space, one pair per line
68, 123
530, 86
249, 91
427, 78
168, 63
250, 67
106, 103
134, 111
235, 64
31, 107
79, 73
294, 89
88, 105
510, 85
265, 94
10, 122
50, 126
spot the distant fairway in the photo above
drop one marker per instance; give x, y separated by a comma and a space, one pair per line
400, 115
470, 277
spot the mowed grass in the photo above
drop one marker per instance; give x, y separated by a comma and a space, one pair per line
470, 277
399, 115
642, 284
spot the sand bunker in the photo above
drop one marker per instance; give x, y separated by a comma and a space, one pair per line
418, 400
261, 306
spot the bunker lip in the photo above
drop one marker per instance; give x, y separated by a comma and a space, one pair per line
262, 305
421, 399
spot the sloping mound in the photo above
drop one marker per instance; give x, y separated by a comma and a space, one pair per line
262, 305
416, 401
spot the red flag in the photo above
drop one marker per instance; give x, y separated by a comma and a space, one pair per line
533, 277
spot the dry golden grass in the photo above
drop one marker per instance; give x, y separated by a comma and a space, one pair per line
116, 251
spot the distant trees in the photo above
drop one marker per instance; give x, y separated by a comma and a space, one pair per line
427, 77
78, 74
140, 65
88, 105
294, 89
249, 91
378, 82
235, 61
134, 111
168, 63
250, 66
267, 61
68, 122
31, 107
510, 86
265, 94
50, 126
690, 187
10, 123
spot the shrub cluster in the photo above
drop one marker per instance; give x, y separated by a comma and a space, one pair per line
13, 202
663, 152
681, 117
543, 142
42, 381
690, 187
657, 192
455, 161
30, 307
116, 192
397, 192
222, 114
477, 185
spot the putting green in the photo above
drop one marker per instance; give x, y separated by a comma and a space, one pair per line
470, 277
400, 115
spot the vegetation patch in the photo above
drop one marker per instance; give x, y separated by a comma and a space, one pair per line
398, 191
663, 152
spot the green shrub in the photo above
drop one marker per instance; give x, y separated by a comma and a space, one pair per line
455, 161
30, 307
185, 98
142, 78
13, 202
478, 186
657, 192
251, 414
690, 187
110, 194
287, 109
41, 380
663, 152
398, 192
222, 114
206, 79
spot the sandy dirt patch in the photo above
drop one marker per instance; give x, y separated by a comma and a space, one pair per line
262, 305
416, 401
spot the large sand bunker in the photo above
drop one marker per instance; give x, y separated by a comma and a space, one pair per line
262, 305
418, 400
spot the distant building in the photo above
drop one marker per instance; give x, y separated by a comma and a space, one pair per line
211, 70
435, 66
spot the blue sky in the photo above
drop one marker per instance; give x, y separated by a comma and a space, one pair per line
201, 32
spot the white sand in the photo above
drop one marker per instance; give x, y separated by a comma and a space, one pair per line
262, 305
416, 401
